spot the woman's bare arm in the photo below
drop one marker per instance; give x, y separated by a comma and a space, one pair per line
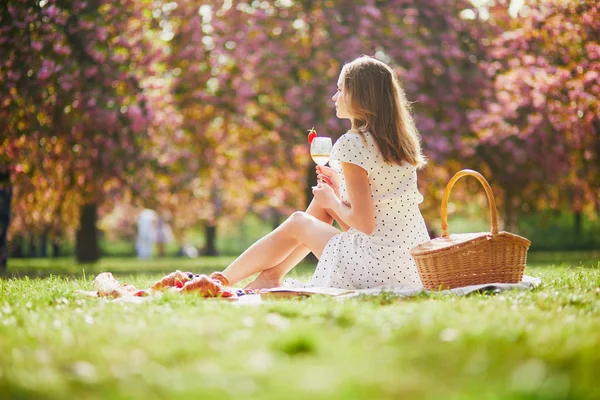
360, 213
343, 225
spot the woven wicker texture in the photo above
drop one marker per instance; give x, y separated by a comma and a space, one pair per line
471, 258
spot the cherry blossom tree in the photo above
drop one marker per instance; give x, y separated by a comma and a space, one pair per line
74, 111
538, 130
200, 109
277, 64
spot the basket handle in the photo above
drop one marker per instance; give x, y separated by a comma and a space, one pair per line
488, 192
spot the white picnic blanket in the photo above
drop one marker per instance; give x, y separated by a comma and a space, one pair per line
289, 290
529, 282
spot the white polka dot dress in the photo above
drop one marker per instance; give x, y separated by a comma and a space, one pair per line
355, 260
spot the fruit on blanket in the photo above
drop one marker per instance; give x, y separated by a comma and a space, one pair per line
312, 134
106, 284
200, 284
221, 278
203, 286
174, 279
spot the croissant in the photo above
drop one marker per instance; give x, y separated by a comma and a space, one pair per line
174, 279
221, 278
203, 286
107, 286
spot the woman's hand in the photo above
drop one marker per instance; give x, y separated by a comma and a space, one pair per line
329, 176
324, 195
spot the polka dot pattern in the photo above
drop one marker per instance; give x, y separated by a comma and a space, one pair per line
355, 260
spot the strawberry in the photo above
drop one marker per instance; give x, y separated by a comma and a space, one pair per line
179, 284
226, 293
311, 134
141, 293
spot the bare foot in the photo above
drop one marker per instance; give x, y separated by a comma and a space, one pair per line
264, 281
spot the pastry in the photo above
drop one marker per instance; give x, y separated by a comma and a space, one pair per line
217, 285
174, 279
107, 286
221, 278
203, 286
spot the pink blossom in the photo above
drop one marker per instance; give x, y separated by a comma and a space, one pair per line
66, 85
79, 5
514, 63
37, 46
52, 11
86, 25
12, 11
118, 57
90, 71
98, 56
62, 50
372, 11
46, 70
593, 50
102, 34
138, 121
14, 75
538, 99
244, 90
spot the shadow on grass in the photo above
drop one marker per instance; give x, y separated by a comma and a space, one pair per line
45, 267
588, 259
68, 267
83, 273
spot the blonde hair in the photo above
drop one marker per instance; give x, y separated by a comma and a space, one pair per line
378, 105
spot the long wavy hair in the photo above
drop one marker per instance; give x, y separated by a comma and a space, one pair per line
378, 105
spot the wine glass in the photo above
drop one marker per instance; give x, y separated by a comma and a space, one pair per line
320, 150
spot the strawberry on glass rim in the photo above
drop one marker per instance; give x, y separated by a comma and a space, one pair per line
320, 147
312, 134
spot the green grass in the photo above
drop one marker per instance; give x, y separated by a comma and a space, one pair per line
540, 344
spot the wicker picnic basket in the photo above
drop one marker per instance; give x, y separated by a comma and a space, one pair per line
471, 258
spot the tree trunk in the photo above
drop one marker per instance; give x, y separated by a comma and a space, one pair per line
87, 249
44, 245
33, 253
210, 232
15, 250
55, 247
5, 199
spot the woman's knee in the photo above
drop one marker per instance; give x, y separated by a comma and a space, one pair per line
298, 218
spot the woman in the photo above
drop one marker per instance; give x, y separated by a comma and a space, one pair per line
371, 190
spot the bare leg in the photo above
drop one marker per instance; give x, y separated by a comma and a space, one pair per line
272, 277
299, 229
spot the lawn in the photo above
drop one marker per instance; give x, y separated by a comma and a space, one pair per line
540, 344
